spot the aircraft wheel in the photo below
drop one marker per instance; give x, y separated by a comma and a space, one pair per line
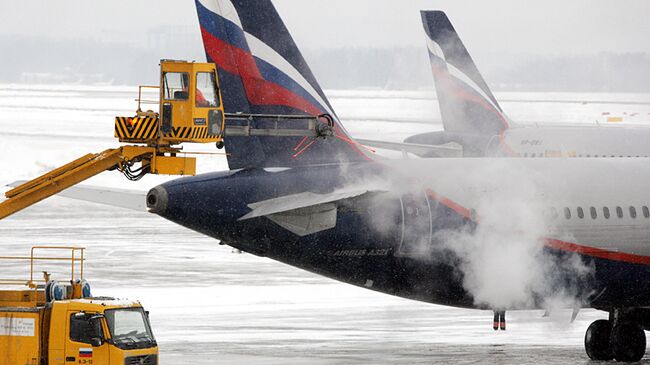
597, 340
628, 342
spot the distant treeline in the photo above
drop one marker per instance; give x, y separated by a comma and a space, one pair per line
41, 60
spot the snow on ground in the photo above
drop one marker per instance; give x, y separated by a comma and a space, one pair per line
211, 305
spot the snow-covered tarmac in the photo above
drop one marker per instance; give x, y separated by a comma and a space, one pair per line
211, 305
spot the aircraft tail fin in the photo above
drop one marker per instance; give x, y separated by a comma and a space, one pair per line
261, 71
466, 103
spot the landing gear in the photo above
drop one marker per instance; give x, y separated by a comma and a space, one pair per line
597, 340
628, 342
624, 341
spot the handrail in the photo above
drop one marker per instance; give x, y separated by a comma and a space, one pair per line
76, 256
145, 101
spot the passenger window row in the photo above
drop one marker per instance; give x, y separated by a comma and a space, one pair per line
594, 212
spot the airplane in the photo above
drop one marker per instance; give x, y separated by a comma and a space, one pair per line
473, 119
407, 227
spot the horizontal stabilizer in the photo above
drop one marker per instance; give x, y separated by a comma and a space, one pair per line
305, 221
297, 201
450, 149
121, 198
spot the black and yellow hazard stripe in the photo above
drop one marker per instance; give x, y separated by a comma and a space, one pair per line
189, 133
179, 133
136, 128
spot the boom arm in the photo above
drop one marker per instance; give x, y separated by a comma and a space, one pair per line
71, 174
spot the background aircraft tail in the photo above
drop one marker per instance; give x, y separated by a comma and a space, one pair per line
261, 71
466, 103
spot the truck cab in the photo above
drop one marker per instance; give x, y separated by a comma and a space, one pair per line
100, 331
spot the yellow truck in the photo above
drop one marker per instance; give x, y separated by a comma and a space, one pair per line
60, 322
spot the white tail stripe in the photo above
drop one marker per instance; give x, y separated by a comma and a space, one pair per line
435, 50
223, 8
262, 51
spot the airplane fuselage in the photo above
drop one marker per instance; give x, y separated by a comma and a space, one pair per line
398, 236
576, 141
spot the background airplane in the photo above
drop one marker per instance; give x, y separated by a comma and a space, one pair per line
476, 125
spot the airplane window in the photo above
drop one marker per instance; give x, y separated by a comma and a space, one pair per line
525, 154
567, 213
633, 212
646, 212
588, 155
619, 212
592, 210
606, 212
581, 213
551, 213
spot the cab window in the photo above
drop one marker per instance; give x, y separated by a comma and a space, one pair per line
176, 85
206, 90
82, 329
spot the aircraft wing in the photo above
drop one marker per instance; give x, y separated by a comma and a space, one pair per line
423, 150
121, 198
303, 213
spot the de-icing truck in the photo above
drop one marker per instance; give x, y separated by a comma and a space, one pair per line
61, 323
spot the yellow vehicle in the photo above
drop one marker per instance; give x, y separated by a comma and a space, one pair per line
59, 322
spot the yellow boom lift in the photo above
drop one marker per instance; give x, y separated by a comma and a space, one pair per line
190, 111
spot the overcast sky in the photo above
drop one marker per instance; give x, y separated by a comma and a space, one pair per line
551, 27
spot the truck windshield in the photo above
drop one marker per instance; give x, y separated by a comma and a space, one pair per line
129, 328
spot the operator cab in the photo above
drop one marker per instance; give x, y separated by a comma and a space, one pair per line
190, 103
190, 108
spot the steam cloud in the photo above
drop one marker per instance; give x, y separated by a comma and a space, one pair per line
502, 259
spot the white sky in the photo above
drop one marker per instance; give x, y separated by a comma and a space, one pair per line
549, 27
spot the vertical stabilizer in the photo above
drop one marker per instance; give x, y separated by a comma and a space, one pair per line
466, 103
261, 71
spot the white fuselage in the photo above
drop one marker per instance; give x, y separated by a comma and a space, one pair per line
575, 141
